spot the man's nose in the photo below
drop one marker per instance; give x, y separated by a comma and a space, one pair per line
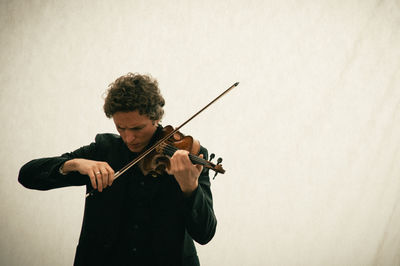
129, 137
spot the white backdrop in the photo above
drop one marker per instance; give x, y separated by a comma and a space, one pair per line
310, 138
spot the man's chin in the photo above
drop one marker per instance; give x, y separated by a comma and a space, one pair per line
135, 148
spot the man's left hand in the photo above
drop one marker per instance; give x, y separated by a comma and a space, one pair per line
185, 172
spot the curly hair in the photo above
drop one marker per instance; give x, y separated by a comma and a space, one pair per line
135, 92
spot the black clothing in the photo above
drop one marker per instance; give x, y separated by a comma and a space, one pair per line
139, 220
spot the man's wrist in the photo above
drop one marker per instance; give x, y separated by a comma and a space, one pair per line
60, 170
188, 192
67, 166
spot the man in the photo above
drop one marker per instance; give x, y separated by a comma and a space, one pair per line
135, 219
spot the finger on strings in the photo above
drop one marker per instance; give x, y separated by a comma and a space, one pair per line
199, 166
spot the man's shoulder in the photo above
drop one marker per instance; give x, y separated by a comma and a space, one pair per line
108, 137
108, 140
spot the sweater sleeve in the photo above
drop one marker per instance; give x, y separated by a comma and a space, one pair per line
44, 174
201, 222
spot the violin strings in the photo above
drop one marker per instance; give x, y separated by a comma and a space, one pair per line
170, 150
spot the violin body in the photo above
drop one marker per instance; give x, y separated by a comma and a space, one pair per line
157, 161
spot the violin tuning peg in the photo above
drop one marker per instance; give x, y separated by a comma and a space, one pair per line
215, 175
219, 160
212, 155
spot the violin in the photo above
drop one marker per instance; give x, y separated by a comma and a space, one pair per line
155, 159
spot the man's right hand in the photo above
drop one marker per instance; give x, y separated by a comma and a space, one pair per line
100, 173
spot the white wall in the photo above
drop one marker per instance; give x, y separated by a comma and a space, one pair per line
310, 138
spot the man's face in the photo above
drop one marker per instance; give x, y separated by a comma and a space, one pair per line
135, 130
